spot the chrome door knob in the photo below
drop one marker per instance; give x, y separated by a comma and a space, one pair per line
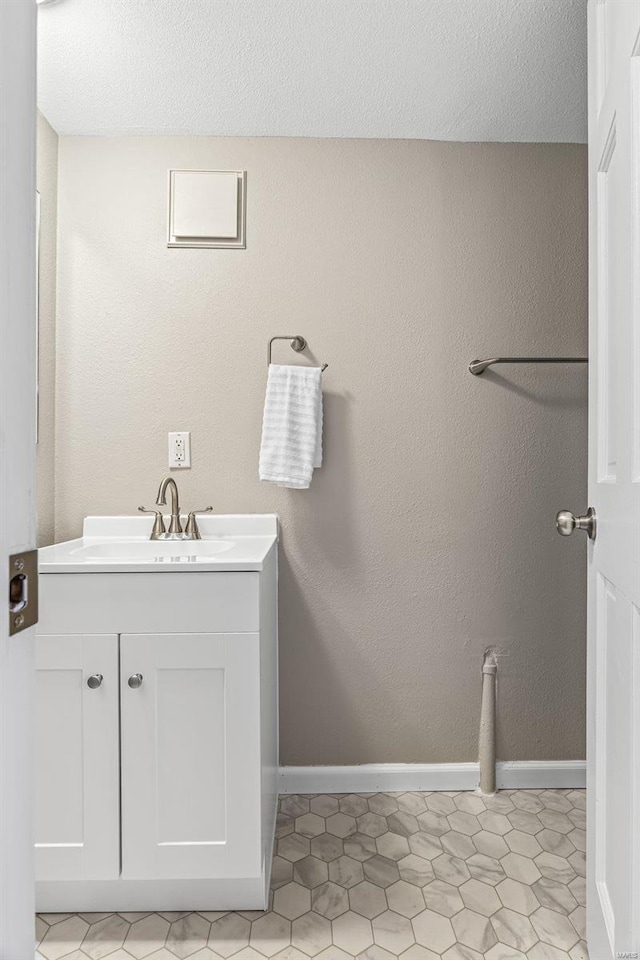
566, 523
135, 681
94, 681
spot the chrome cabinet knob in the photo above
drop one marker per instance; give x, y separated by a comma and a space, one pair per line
135, 681
94, 681
566, 523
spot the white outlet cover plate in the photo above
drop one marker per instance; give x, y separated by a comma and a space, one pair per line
179, 450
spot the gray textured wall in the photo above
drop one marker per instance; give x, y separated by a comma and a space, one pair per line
428, 533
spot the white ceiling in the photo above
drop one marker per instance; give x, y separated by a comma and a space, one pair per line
512, 70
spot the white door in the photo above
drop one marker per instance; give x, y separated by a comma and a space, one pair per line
17, 466
190, 755
613, 734
77, 758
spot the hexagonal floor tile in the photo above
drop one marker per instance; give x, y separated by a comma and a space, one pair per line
527, 800
558, 843
392, 846
341, 825
554, 868
525, 822
346, 872
330, 900
460, 952
470, 803
434, 823
294, 806
450, 869
523, 843
554, 895
578, 862
412, 803
353, 805
292, 900
311, 934
555, 800
513, 929
147, 935
404, 823
372, 824
517, 896
502, 952
520, 868
270, 934
457, 844
381, 871
359, 847
500, 802
554, 820
352, 933
494, 822
109, 934
474, 930
578, 888
553, 928
440, 803
392, 932
310, 872
442, 898
309, 825
229, 934
293, 847
480, 897
544, 951
405, 898
281, 871
465, 823
491, 844
382, 804
434, 931
424, 845
326, 847
367, 899
324, 805
416, 870
487, 869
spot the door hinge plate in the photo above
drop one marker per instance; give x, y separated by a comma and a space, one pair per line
23, 590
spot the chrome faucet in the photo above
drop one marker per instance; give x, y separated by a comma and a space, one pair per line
175, 527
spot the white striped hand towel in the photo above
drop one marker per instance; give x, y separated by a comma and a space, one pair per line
292, 426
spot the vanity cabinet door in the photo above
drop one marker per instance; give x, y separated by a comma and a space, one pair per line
77, 762
190, 755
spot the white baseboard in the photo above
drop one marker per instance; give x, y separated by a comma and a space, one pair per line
397, 777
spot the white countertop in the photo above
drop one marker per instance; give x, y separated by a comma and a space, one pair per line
122, 545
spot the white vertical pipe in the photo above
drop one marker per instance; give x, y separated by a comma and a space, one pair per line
487, 737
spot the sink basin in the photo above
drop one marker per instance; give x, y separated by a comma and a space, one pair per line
122, 545
153, 551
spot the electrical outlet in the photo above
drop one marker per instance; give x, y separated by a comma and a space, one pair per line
179, 450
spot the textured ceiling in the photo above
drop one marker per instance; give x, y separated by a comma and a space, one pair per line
512, 70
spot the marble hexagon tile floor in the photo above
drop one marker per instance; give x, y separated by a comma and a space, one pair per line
421, 876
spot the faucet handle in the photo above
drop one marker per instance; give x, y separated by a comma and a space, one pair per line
191, 529
158, 524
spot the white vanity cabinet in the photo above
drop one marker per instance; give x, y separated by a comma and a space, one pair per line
156, 736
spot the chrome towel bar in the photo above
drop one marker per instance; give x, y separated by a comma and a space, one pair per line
476, 367
296, 343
